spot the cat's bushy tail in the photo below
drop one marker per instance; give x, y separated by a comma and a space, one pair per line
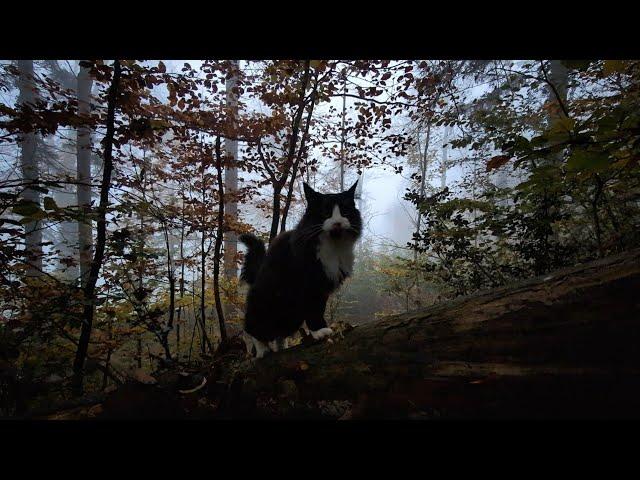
254, 257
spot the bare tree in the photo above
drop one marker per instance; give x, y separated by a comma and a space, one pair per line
219, 232
278, 181
29, 163
231, 182
301, 153
83, 173
96, 264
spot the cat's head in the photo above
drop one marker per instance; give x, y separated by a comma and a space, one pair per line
334, 213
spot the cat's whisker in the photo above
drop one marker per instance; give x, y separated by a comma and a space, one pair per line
308, 236
309, 232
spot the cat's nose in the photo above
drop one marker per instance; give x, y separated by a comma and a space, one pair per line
336, 230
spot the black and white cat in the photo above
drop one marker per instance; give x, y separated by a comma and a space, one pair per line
291, 282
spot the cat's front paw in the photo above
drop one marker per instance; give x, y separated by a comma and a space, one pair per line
261, 348
261, 352
322, 333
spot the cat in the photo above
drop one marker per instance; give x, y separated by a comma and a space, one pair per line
289, 284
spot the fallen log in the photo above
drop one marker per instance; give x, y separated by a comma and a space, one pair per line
565, 345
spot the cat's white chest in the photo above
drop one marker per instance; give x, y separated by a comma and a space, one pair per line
336, 257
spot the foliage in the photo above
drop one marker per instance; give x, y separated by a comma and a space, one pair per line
576, 158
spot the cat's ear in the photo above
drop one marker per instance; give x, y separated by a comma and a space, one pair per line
352, 190
309, 193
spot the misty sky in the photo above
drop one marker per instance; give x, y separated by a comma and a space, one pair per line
387, 220
386, 215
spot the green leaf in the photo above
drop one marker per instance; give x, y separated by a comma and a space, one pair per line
579, 65
562, 124
560, 130
607, 123
583, 160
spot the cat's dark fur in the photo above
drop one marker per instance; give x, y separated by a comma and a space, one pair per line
291, 283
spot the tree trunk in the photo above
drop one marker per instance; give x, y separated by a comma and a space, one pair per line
231, 187
139, 294
444, 162
172, 294
218, 245
203, 258
96, 264
424, 163
557, 87
563, 345
66, 239
30, 171
301, 153
279, 184
342, 132
203, 312
275, 219
559, 79
83, 192
182, 265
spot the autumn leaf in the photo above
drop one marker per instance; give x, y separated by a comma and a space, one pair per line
26, 208
563, 124
50, 204
497, 162
613, 66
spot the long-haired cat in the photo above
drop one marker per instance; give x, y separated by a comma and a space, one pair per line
291, 282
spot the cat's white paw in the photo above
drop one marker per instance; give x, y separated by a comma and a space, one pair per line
248, 343
322, 333
261, 348
274, 345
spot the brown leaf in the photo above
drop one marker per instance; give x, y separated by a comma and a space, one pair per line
497, 162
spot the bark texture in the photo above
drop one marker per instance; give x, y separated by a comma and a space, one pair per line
561, 345
96, 264
30, 170
231, 183
83, 167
